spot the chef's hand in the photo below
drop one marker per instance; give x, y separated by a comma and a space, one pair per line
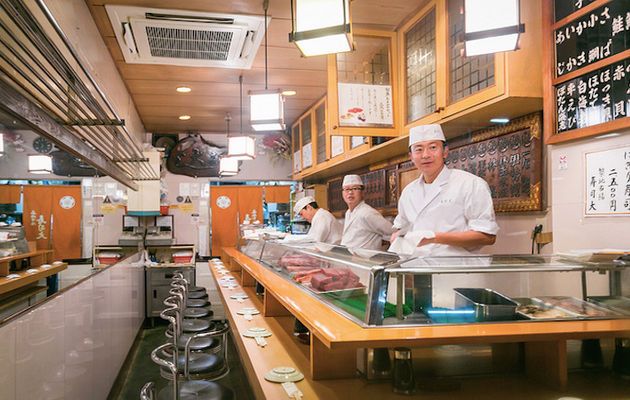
394, 236
420, 237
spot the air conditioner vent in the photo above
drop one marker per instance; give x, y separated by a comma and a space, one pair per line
186, 43
154, 36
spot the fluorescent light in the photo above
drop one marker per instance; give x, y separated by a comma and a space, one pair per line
184, 117
286, 93
321, 26
500, 120
266, 110
241, 148
608, 135
184, 89
228, 166
39, 164
491, 26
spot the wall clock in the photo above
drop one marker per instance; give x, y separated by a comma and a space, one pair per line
42, 145
223, 202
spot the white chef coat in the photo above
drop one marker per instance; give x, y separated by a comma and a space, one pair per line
365, 228
456, 201
325, 228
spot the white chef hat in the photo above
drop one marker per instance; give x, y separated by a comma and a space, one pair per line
425, 133
350, 180
303, 202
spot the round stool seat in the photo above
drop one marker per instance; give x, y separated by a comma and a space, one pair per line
193, 303
196, 289
195, 325
197, 295
203, 344
198, 364
199, 312
197, 390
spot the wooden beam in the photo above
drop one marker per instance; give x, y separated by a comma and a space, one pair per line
18, 106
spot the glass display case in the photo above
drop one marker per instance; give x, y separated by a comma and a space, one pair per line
375, 288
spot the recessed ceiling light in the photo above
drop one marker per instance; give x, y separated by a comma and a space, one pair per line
289, 92
184, 117
183, 89
500, 120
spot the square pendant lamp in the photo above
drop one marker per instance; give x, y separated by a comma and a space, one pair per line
228, 166
321, 26
491, 26
39, 164
266, 110
240, 147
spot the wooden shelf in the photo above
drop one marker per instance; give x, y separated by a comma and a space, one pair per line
36, 258
7, 285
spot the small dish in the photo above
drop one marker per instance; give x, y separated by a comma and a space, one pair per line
57, 263
45, 266
248, 311
284, 374
31, 271
259, 334
12, 276
237, 296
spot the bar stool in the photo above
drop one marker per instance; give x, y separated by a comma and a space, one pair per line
190, 303
196, 365
198, 293
208, 345
148, 391
188, 324
187, 390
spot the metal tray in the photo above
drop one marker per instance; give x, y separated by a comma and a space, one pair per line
538, 310
582, 309
618, 304
488, 304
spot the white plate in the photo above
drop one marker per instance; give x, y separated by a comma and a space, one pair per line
284, 374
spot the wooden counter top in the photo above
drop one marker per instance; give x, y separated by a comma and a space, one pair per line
7, 285
335, 338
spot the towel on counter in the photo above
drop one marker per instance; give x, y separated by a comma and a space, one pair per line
407, 244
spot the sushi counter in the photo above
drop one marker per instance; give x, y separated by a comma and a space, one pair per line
375, 303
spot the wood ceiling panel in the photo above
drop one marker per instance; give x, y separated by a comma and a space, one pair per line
216, 90
277, 78
312, 93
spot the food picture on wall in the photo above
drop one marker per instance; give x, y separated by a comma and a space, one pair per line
365, 105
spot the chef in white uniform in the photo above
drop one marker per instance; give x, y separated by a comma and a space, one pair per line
324, 226
445, 211
364, 227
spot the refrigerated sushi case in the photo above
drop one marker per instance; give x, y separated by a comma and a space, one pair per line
375, 288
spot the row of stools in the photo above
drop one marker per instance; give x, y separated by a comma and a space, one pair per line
195, 353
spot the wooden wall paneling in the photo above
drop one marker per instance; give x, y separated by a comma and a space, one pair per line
224, 220
10, 194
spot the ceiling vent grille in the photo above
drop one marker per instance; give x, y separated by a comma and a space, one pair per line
152, 36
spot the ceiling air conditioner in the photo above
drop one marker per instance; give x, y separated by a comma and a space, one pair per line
187, 38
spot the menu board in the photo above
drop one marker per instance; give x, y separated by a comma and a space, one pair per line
608, 182
564, 8
508, 158
594, 98
597, 35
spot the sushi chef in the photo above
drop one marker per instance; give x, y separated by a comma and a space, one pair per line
363, 227
324, 226
445, 211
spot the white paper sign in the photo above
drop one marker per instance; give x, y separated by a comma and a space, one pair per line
356, 141
296, 161
307, 154
336, 146
184, 189
608, 182
194, 189
365, 105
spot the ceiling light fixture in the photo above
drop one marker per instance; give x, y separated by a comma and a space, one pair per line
491, 26
39, 164
500, 120
228, 166
286, 93
266, 107
184, 117
1, 144
241, 147
321, 26
184, 89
